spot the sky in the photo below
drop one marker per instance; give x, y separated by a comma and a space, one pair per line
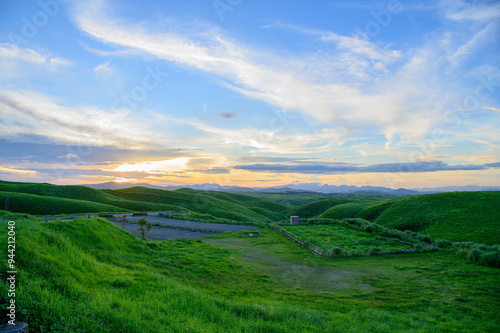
250, 93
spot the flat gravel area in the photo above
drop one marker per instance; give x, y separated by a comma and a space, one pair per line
159, 233
215, 227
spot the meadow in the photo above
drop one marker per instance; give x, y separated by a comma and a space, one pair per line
89, 275
336, 239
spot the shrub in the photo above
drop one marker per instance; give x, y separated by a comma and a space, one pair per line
462, 252
473, 255
443, 243
106, 215
337, 251
424, 238
482, 247
432, 248
122, 220
411, 233
369, 228
491, 259
145, 227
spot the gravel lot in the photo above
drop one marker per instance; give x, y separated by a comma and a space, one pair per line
159, 233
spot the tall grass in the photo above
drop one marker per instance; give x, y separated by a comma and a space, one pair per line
90, 276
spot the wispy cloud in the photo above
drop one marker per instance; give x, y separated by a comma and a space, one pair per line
345, 168
460, 10
322, 87
103, 69
9, 52
33, 117
269, 140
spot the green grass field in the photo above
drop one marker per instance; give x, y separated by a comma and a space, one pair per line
91, 276
328, 238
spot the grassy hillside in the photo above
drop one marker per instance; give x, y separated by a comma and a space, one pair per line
315, 208
197, 201
351, 209
247, 201
53, 199
91, 276
81, 193
37, 204
456, 216
460, 216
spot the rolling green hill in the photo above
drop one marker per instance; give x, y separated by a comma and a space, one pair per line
460, 216
456, 216
42, 205
54, 199
315, 208
198, 201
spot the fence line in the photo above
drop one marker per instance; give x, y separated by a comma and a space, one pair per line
292, 238
347, 254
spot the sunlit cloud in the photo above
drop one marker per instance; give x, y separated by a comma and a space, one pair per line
27, 115
277, 141
124, 180
17, 171
156, 167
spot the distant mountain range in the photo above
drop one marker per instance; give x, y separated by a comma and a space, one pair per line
302, 187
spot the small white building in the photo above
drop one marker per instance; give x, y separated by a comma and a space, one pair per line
294, 220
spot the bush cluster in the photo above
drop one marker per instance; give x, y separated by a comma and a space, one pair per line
478, 253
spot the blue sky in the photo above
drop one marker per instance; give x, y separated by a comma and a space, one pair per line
250, 93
